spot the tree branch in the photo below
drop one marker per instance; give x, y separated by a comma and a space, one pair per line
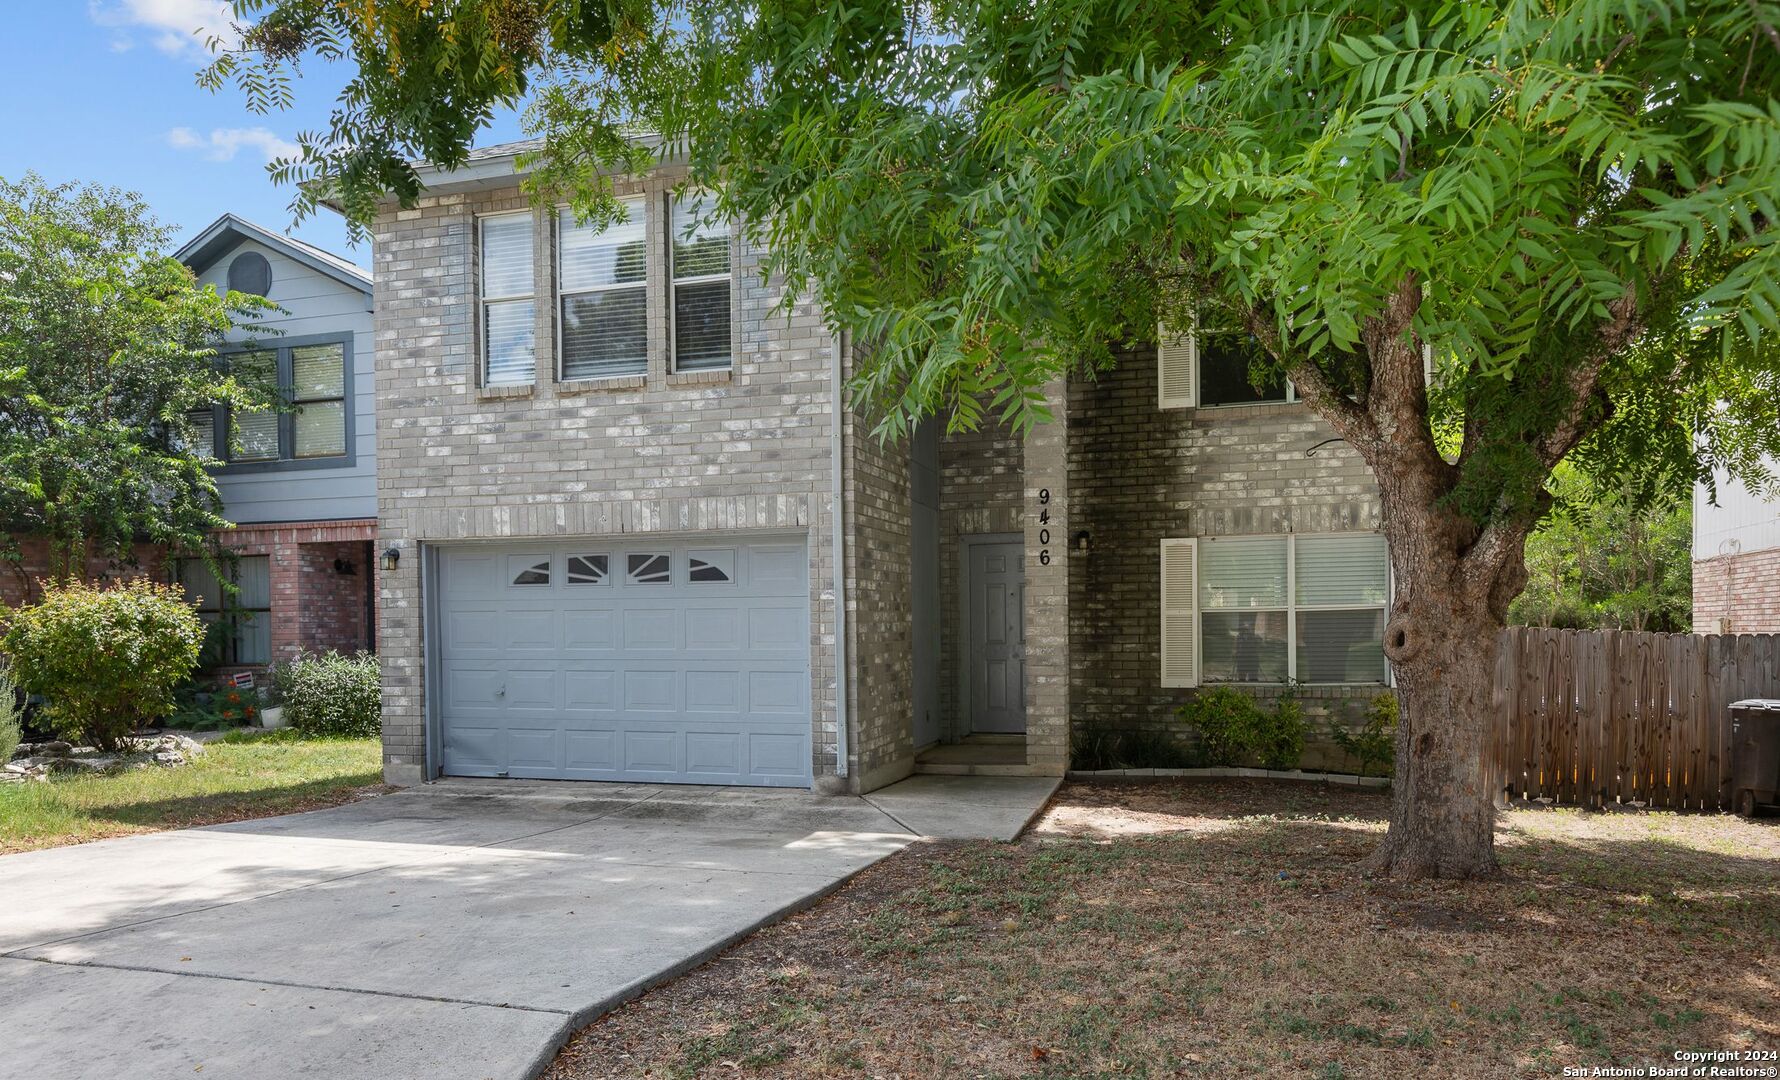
1624, 324
1347, 418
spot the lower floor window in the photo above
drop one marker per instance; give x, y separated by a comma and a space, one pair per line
1274, 609
242, 623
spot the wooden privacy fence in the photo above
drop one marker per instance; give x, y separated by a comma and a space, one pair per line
1598, 717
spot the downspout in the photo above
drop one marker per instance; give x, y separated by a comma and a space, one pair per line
838, 522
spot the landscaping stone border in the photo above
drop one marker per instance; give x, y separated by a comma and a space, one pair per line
1349, 779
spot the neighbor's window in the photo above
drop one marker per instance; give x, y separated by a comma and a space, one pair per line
1305, 608
312, 379
603, 278
508, 308
318, 390
1225, 359
243, 621
700, 287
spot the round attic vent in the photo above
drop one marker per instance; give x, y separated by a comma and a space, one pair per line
250, 273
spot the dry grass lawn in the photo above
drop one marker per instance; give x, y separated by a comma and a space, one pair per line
1220, 929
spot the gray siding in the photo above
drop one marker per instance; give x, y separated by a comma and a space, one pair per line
315, 305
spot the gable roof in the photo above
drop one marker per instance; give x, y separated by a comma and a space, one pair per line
229, 230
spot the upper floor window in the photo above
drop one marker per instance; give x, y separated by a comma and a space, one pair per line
508, 301
603, 278
1206, 368
311, 379
701, 283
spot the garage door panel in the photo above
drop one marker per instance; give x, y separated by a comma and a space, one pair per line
652, 751
651, 628
778, 629
533, 689
588, 632
651, 691
699, 678
530, 631
586, 690
777, 692
714, 752
714, 692
533, 748
714, 629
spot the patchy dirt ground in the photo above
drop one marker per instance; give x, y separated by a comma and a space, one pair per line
1221, 929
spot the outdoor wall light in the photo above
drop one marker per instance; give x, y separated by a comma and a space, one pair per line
345, 567
391, 557
1080, 542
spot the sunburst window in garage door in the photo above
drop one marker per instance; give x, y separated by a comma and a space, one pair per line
710, 567
648, 569
529, 569
588, 569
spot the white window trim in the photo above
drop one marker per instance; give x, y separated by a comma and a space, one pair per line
640, 204
674, 281
484, 300
1290, 611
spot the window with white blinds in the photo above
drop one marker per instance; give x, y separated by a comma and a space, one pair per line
318, 390
508, 301
603, 279
1271, 609
202, 442
701, 287
311, 381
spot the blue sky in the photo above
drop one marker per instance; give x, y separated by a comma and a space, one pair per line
104, 92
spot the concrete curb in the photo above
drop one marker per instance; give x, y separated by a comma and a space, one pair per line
582, 1017
1037, 812
1346, 779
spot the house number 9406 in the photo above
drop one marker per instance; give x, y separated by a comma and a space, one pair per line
1044, 523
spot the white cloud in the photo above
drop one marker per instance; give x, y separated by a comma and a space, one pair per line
179, 28
222, 144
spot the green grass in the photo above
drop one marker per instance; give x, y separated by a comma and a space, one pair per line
244, 775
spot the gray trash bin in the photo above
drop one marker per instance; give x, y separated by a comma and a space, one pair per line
1755, 754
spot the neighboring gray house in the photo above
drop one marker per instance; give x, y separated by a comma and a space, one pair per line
300, 485
638, 538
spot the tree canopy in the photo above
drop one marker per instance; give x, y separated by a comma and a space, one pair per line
106, 348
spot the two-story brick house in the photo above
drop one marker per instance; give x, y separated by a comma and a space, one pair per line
637, 536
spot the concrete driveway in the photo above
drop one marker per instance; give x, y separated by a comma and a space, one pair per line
463, 929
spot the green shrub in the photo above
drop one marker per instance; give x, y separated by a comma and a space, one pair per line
12, 715
1233, 729
1279, 737
1228, 723
331, 694
105, 659
1375, 741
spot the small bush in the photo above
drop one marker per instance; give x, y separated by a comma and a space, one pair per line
331, 694
1233, 729
12, 715
1095, 747
1228, 723
1279, 737
105, 659
1375, 741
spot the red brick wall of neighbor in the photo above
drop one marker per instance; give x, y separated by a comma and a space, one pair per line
1737, 594
328, 607
20, 586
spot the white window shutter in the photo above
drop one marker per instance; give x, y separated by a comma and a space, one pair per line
1177, 368
1180, 624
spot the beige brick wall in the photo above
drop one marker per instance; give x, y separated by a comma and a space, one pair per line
1737, 594
749, 450
1139, 474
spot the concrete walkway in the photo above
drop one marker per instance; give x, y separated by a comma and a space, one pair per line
460, 930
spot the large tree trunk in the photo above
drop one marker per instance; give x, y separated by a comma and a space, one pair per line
1442, 803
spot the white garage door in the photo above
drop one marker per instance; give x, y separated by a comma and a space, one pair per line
678, 662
